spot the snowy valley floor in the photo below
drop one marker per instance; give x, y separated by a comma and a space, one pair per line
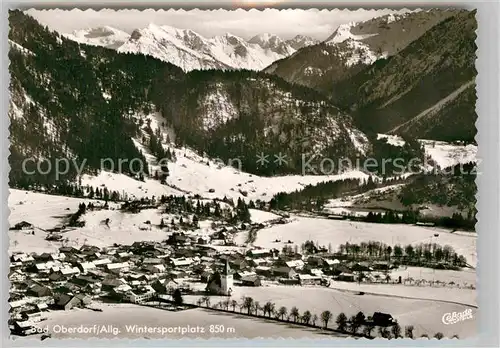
423, 307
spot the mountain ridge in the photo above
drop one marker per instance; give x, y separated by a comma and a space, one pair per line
192, 51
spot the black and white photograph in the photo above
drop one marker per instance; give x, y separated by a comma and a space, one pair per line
217, 173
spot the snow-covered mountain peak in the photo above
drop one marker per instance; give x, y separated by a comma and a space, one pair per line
343, 33
230, 39
301, 41
272, 42
100, 36
265, 39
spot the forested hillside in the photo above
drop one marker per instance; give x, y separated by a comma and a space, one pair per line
427, 81
419, 84
85, 103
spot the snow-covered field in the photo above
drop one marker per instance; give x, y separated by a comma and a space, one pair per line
381, 199
424, 315
42, 210
123, 317
194, 174
447, 155
125, 184
47, 211
442, 153
123, 229
260, 216
336, 232
191, 173
466, 276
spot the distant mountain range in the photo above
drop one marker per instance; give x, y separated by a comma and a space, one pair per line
191, 51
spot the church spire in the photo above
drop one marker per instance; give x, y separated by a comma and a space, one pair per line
227, 270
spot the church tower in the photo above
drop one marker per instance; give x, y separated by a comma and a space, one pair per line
226, 279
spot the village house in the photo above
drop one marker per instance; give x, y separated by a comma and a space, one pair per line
360, 267
346, 277
117, 268
23, 328
24, 258
207, 251
38, 290
42, 307
156, 268
316, 272
112, 282
307, 279
178, 239
23, 226
15, 266
259, 262
259, 253
85, 279
85, 266
251, 280
67, 302
295, 264
123, 256
44, 257
240, 274
33, 315
89, 250
45, 268
16, 276
284, 272
101, 263
181, 262
381, 266
15, 305
140, 277
68, 250
205, 276
141, 294
176, 274
239, 263
152, 261
203, 240
329, 263
68, 271
206, 259
263, 271
165, 285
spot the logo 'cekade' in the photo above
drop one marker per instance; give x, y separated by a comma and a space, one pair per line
455, 317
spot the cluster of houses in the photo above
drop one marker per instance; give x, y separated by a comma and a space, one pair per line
75, 277
297, 269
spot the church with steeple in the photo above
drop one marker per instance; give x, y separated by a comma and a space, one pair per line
221, 283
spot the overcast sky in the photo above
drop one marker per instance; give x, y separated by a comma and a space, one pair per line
285, 23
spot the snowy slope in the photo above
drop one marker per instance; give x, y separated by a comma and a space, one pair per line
198, 175
357, 51
102, 36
